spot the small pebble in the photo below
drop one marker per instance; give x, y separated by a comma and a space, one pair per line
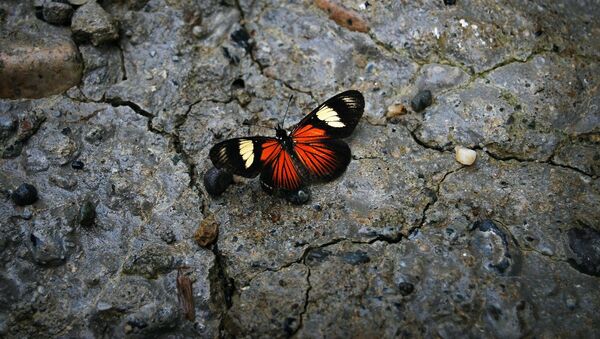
78, 2
298, 197
103, 306
465, 156
394, 111
25, 194
216, 181
207, 232
87, 213
422, 100
198, 31
77, 164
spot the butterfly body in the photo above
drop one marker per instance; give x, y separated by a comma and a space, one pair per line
312, 151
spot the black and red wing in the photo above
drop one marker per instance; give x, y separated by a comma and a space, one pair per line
280, 171
335, 118
240, 156
315, 144
323, 160
248, 157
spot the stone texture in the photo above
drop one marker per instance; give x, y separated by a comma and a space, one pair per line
37, 63
91, 23
103, 68
406, 243
57, 13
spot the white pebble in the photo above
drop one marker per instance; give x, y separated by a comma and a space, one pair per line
465, 156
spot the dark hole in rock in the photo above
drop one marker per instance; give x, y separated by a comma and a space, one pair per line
241, 37
77, 164
288, 326
238, 84
406, 288
33, 239
494, 312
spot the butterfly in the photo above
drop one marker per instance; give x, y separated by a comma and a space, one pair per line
311, 152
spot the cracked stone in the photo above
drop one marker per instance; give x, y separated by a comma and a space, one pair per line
280, 294
103, 68
149, 193
387, 250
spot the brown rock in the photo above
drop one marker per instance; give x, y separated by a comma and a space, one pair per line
207, 232
342, 16
36, 68
395, 110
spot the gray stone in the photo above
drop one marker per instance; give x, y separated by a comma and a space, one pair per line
583, 153
149, 261
103, 68
421, 100
8, 125
91, 23
57, 13
280, 294
36, 161
437, 77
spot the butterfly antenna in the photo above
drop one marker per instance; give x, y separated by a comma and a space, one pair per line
286, 110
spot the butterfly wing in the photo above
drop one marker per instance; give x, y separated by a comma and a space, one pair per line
315, 137
316, 153
248, 157
335, 118
280, 171
323, 160
240, 156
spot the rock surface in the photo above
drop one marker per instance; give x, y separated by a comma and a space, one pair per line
407, 243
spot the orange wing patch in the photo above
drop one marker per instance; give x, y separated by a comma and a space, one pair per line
270, 149
319, 159
282, 172
308, 133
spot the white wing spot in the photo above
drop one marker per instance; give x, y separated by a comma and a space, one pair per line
349, 101
330, 117
247, 152
223, 154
